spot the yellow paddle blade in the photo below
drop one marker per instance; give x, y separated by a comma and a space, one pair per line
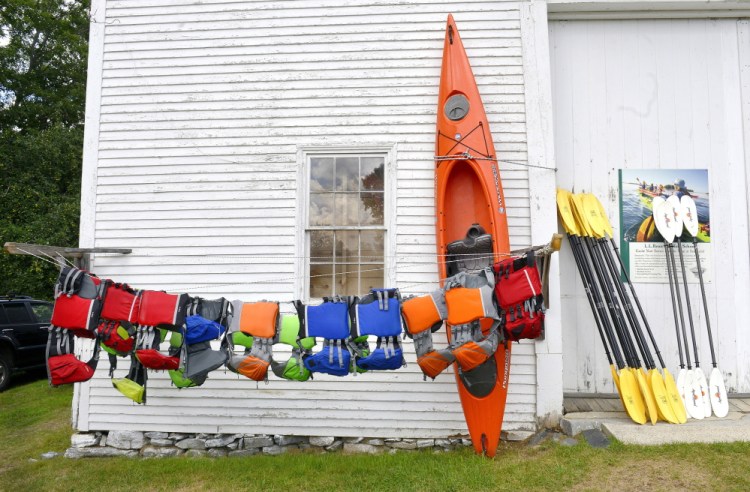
648, 397
603, 216
631, 397
580, 217
566, 214
591, 214
673, 395
656, 383
616, 379
615, 376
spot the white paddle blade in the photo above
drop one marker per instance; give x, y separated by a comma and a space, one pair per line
718, 394
700, 378
693, 395
662, 218
681, 387
676, 209
690, 215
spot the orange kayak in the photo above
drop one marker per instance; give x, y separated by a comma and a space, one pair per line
469, 191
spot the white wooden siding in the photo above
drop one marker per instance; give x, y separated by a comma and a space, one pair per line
205, 106
657, 94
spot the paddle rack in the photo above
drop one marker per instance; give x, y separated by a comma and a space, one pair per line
80, 256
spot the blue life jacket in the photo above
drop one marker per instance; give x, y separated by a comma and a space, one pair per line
200, 329
379, 314
330, 321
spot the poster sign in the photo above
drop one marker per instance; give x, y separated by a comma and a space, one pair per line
642, 247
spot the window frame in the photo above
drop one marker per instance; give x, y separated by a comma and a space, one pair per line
302, 284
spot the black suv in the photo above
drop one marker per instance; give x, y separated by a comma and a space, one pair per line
23, 335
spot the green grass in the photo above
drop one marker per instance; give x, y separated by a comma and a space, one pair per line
35, 418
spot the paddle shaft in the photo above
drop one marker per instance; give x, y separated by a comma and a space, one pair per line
679, 306
674, 305
589, 295
705, 304
638, 303
613, 306
589, 280
629, 311
687, 303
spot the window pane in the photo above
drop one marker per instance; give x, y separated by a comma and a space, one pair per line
347, 246
346, 209
43, 312
347, 279
371, 211
321, 280
321, 246
347, 173
321, 209
372, 173
321, 174
17, 313
372, 246
372, 277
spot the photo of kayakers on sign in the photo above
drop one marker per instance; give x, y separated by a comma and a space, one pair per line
640, 238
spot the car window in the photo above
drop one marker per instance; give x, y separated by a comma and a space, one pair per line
42, 311
17, 313
3, 318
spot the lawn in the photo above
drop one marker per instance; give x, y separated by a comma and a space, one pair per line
35, 418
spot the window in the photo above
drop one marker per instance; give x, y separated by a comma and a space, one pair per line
17, 313
43, 312
346, 223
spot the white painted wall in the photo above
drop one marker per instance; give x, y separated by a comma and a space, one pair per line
197, 115
657, 94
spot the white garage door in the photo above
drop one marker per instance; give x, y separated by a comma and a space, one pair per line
667, 94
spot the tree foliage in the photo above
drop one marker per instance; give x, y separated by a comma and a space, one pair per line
43, 48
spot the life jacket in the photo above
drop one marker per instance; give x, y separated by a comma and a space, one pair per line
63, 367
161, 309
158, 310
378, 314
147, 350
133, 385
330, 321
469, 299
518, 289
210, 319
422, 316
292, 368
119, 312
116, 339
178, 375
259, 320
78, 303
121, 303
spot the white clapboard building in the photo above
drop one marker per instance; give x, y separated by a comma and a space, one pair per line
284, 150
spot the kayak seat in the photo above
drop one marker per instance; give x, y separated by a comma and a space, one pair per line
470, 254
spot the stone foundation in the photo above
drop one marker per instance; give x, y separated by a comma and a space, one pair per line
159, 444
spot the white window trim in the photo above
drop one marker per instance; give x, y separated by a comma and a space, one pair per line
302, 283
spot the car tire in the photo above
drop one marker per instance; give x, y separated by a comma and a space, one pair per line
5, 371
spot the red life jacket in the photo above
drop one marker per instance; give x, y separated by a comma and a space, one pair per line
518, 289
